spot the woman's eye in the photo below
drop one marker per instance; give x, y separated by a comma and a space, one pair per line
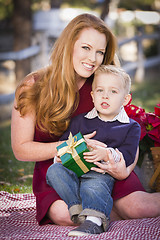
101, 53
85, 47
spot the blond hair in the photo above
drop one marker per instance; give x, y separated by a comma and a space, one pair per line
53, 96
116, 71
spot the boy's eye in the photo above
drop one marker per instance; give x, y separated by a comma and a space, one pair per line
100, 90
114, 91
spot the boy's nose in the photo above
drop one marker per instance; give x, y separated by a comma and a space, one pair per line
105, 94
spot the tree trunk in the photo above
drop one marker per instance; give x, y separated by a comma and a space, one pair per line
105, 9
22, 25
55, 3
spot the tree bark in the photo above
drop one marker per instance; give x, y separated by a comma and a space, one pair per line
105, 9
22, 27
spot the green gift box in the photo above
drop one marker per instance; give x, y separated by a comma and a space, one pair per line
71, 154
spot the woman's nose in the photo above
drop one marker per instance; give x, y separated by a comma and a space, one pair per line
92, 56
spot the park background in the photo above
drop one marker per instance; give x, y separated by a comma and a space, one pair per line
35, 24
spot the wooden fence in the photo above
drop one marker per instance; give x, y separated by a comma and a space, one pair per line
141, 63
41, 51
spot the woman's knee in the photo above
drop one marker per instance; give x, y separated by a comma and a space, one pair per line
58, 213
138, 205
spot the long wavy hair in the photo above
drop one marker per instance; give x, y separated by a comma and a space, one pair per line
53, 96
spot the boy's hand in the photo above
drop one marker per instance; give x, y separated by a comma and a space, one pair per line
92, 142
97, 153
117, 170
57, 159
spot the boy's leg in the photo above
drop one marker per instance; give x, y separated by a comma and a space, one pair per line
66, 184
95, 192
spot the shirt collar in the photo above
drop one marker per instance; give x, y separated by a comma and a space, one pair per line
121, 117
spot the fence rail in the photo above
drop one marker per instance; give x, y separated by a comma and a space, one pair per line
38, 50
139, 38
22, 54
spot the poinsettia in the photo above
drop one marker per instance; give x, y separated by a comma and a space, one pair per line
152, 123
138, 114
150, 127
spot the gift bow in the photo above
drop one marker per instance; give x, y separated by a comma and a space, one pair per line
70, 148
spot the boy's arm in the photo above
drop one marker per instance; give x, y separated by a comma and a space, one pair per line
131, 143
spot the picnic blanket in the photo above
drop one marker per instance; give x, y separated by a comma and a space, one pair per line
17, 221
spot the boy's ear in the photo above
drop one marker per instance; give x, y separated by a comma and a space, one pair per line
92, 96
127, 99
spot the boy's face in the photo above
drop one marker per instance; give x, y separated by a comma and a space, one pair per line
109, 95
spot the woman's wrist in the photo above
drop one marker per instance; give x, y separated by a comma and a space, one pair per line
59, 143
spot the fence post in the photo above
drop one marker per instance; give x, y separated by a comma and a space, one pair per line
158, 30
139, 75
41, 59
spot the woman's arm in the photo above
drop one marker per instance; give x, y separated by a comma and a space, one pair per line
22, 139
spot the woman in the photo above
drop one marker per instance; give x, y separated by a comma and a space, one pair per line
47, 99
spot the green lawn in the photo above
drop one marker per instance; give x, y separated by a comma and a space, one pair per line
16, 176
146, 94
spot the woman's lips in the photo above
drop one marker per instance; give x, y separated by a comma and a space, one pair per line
88, 66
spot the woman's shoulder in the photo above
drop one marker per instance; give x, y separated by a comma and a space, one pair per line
32, 77
29, 80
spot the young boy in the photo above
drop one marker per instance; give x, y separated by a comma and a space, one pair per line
89, 196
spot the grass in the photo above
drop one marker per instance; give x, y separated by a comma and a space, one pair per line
16, 176
147, 93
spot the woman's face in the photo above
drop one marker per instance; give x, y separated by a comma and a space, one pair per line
88, 52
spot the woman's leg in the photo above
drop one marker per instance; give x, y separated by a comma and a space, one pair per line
135, 205
138, 204
58, 213
114, 216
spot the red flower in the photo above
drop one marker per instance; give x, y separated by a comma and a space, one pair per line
153, 127
139, 115
150, 128
149, 122
157, 110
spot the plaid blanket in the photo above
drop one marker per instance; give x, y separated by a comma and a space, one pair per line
17, 221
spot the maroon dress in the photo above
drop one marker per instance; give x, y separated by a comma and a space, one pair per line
45, 195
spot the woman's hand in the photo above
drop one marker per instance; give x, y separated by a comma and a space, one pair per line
91, 142
117, 170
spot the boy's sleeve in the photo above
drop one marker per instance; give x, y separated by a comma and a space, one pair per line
131, 143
